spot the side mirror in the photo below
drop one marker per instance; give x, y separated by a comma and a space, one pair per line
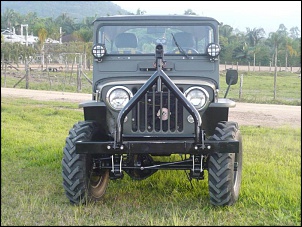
231, 76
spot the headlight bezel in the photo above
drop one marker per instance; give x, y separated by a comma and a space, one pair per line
205, 93
114, 89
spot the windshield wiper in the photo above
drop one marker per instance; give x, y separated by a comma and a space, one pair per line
179, 47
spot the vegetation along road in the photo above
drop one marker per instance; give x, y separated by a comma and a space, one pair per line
244, 113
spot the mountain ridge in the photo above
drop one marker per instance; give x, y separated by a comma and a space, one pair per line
77, 10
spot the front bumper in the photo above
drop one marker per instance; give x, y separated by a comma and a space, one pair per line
166, 147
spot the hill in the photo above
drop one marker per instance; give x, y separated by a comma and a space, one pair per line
74, 9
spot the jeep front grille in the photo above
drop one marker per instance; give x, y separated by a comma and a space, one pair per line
157, 112
158, 109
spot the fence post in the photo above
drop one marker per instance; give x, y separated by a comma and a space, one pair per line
2, 61
5, 65
240, 87
73, 62
249, 66
237, 65
270, 66
259, 66
26, 74
78, 78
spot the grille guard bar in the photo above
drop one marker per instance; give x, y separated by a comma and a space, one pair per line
158, 76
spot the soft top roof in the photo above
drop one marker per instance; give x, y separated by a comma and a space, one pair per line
155, 18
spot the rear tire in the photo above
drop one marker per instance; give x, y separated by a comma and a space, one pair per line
81, 184
225, 169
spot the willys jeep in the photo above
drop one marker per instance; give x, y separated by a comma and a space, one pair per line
155, 95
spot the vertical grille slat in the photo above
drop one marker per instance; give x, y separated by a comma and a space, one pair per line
169, 108
138, 116
153, 108
160, 111
163, 103
146, 112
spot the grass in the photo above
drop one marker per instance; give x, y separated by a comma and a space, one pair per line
257, 87
32, 139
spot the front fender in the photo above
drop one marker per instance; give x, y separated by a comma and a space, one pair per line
94, 111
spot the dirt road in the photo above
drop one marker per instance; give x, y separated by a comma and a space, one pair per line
244, 113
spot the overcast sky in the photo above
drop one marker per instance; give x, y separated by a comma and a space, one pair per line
238, 14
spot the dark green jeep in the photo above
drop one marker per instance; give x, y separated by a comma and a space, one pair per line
154, 94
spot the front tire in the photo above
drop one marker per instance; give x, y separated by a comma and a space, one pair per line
225, 169
81, 184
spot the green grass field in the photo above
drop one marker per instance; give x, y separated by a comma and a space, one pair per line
32, 139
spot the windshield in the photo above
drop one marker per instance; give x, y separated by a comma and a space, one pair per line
187, 40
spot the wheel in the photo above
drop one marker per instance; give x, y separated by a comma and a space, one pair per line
225, 169
80, 182
188, 50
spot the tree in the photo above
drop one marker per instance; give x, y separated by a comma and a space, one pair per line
289, 50
189, 12
30, 19
242, 52
8, 18
66, 22
84, 35
276, 39
140, 12
226, 30
42, 34
294, 32
253, 38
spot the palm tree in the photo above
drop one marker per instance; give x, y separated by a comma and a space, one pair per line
225, 39
253, 38
42, 34
140, 12
294, 32
226, 30
66, 22
289, 50
276, 39
8, 18
189, 12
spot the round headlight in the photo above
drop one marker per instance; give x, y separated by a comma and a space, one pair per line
98, 51
117, 97
198, 97
213, 50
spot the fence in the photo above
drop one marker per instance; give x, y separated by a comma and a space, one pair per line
251, 68
35, 72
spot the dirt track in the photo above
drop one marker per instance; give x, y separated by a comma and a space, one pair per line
244, 113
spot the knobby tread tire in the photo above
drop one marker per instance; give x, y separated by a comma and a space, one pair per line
224, 181
74, 166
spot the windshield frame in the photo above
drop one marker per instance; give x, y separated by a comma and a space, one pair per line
150, 34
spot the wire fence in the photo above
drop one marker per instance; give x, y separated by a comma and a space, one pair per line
73, 77
258, 68
63, 77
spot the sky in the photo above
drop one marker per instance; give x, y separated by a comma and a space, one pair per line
238, 14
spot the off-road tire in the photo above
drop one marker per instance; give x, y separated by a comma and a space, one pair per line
79, 184
225, 169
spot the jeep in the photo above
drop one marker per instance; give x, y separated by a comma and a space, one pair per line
155, 96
